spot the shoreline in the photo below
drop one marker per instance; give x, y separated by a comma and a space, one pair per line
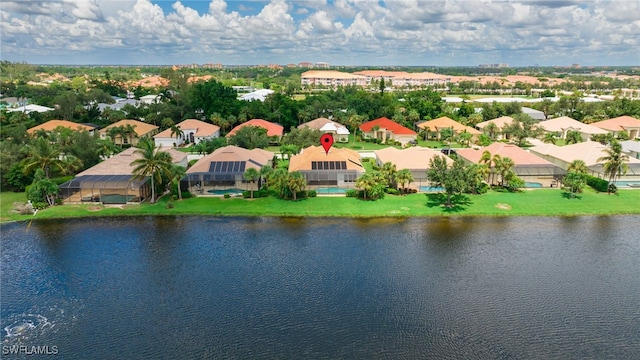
539, 203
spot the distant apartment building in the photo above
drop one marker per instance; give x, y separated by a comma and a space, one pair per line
305, 64
332, 78
493, 66
217, 66
398, 79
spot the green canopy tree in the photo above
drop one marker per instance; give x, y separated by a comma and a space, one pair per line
452, 178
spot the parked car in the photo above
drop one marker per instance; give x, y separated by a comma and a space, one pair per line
448, 151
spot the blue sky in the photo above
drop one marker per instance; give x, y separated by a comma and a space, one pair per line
340, 32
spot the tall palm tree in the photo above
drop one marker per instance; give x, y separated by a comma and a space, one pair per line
492, 130
265, 172
250, 175
615, 163
573, 137
153, 163
389, 172
366, 182
578, 166
177, 173
44, 155
403, 177
504, 169
497, 162
177, 132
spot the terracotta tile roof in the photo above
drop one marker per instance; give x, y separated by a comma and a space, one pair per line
515, 153
618, 124
413, 158
333, 74
141, 128
52, 124
302, 161
255, 158
202, 129
120, 164
499, 122
445, 122
273, 129
564, 122
589, 152
390, 125
151, 81
316, 124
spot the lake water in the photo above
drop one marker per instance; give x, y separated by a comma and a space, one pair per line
203, 287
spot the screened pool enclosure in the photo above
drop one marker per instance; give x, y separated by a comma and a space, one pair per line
106, 189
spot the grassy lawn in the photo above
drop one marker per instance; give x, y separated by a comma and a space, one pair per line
541, 202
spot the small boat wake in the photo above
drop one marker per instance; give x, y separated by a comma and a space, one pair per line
25, 325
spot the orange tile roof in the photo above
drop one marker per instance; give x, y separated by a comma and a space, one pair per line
255, 158
413, 158
302, 161
202, 129
390, 125
445, 122
273, 129
151, 81
141, 128
618, 124
515, 153
53, 124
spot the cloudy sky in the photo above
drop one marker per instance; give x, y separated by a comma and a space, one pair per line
340, 32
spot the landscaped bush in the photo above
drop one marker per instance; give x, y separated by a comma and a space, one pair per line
392, 191
170, 205
226, 196
312, 193
364, 160
256, 193
598, 184
352, 193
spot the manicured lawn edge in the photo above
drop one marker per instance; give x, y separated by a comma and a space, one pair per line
540, 202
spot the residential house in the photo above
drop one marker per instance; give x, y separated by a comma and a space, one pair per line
340, 132
441, 123
415, 159
589, 152
140, 129
274, 131
340, 167
259, 95
51, 125
384, 129
562, 125
500, 124
30, 108
193, 131
112, 181
222, 171
622, 123
631, 148
533, 169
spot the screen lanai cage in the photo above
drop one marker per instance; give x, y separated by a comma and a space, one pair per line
223, 177
106, 189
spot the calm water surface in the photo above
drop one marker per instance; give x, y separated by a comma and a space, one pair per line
200, 287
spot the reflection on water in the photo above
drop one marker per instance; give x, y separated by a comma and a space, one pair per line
194, 287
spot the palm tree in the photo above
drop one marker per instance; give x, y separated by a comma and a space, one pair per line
389, 172
153, 163
265, 172
403, 177
504, 167
288, 150
175, 130
296, 182
492, 130
615, 163
177, 173
113, 133
44, 155
550, 138
497, 162
578, 166
250, 175
129, 132
573, 137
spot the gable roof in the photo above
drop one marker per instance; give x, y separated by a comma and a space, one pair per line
445, 122
202, 129
255, 158
53, 124
141, 128
412, 158
499, 122
120, 164
563, 123
316, 124
302, 161
618, 124
515, 153
390, 125
588, 151
273, 129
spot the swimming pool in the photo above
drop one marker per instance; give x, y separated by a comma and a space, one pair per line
331, 190
225, 191
430, 189
532, 185
628, 183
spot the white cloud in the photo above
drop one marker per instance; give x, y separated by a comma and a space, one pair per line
342, 31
